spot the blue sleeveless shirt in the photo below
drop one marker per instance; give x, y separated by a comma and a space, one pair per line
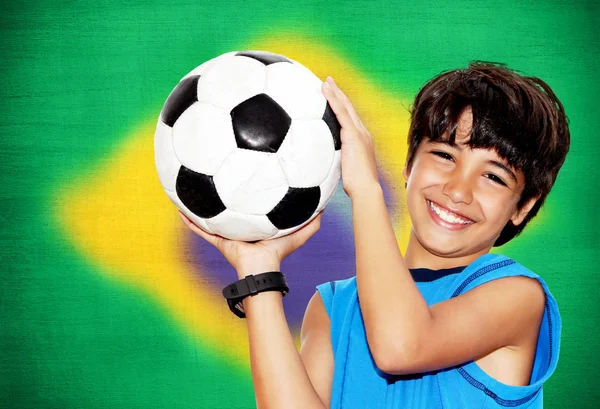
358, 383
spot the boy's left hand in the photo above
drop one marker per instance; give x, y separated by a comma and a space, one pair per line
359, 166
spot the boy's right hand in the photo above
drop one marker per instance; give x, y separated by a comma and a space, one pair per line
262, 256
359, 166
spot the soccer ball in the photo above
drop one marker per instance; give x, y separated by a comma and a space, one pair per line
247, 146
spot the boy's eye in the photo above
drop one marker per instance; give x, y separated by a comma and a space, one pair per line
495, 178
443, 155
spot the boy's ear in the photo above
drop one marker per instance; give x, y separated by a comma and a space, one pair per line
521, 213
405, 172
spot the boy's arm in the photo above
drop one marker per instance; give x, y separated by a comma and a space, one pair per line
316, 350
279, 376
293, 380
405, 335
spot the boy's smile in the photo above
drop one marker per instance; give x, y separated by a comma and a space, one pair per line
459, 199
448, 218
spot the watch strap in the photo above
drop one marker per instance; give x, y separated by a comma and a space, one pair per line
235, 292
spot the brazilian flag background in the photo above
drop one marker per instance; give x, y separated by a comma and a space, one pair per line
108, 301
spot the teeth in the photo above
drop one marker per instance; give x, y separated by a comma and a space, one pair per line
447, 217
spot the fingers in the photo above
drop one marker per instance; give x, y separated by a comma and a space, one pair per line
211, 238
287, 244
338, 106
347, 104
341, 105
307, 231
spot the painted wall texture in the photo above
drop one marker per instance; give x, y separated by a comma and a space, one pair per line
108, 301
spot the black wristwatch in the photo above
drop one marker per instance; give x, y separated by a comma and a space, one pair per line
234, 293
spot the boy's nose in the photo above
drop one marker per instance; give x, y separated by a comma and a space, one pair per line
458, 188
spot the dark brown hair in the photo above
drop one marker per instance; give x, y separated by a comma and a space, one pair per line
519, 117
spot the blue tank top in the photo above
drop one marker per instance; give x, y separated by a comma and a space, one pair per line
358, 383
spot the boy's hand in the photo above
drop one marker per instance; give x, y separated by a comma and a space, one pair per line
359, 167
261, 256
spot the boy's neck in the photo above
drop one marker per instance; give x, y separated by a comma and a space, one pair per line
417, 256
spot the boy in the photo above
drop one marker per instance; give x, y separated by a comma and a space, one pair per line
447, 324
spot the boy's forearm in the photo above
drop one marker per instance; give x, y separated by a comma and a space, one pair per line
280, 379
394, 311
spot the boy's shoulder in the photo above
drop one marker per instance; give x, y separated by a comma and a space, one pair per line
336, 285
337, 292
339, 295
491, 267
485, 268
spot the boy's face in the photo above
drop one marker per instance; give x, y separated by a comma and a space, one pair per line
459, 198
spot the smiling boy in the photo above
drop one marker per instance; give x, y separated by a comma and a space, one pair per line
447, 324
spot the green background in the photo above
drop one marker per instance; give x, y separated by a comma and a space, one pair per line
78, 75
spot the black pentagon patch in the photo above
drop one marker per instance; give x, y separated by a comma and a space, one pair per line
334, 126
198, 193
180, 99
296, 207
264, 57
260, 124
